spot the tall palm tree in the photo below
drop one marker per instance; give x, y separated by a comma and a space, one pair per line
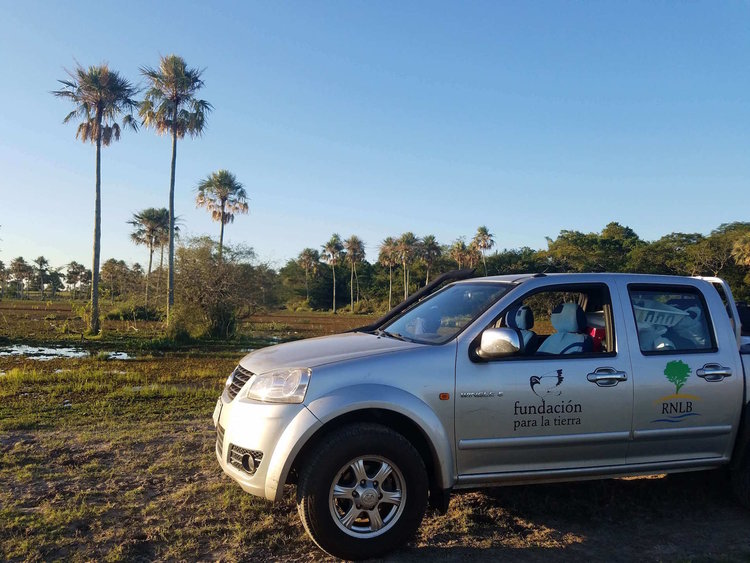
100, 96
483, 241
162, 240
308, 260
355, 253
41, 274
332, 254
406, 247
223, 196
171, 108
149, 229
387, 257
430, 252
458, 251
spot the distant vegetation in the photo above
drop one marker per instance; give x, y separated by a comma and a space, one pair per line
215, 290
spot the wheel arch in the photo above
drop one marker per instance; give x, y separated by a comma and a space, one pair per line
396, 409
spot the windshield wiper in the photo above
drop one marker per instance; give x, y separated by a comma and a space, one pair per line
396, 335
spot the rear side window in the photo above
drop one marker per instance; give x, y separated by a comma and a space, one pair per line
671, 319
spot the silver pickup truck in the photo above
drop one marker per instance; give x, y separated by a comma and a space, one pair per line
490, 381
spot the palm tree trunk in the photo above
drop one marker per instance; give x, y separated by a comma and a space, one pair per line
356, 279
390, 286
221, 233
351, 289
307, 290
161, 269
148, 274
405, 286
333, 266
485, 264
170, 276
94, 323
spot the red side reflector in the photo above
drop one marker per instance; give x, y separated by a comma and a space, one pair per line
445, 396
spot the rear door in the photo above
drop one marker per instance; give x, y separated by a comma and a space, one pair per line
686, 370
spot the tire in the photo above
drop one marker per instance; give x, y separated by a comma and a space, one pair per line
346, 511
740, 477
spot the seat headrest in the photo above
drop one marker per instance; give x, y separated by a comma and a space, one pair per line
568, 317
521, 318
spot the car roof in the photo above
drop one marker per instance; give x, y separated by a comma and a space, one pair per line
583, 277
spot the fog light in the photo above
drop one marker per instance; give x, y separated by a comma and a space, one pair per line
248, 463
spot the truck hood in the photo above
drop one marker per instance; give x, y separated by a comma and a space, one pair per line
323, 350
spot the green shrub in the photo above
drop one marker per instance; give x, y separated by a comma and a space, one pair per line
135, 312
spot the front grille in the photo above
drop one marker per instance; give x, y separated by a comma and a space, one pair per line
244, 459
239, 377
219, 439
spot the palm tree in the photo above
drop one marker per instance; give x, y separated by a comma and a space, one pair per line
100, 96
483, 241
355, 253
149, 230
458, 251
332, 254
171, 108
162, 240
430, 252
223, 196
387, 257
41, 274
308, 260
406, 247
19, 269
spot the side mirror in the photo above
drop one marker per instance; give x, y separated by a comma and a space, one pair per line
498, 342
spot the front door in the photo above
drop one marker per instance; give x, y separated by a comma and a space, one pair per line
550, 406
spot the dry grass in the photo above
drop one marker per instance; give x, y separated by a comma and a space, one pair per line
114, 460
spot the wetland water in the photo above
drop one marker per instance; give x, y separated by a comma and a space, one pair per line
44, 353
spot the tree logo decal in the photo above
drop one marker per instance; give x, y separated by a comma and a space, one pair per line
677, 408
677, 372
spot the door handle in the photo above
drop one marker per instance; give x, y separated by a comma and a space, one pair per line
607, 377
713, 372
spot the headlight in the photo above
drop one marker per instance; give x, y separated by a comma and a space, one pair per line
287, 385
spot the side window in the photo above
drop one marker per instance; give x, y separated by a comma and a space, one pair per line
671, 319
563, 320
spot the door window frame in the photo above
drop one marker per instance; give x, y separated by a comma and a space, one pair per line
609, 323
674, 288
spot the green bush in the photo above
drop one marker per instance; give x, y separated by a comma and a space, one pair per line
135, 312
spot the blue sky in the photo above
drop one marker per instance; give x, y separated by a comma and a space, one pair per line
373, 118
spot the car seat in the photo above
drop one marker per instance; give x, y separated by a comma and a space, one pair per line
569, 321
522, 319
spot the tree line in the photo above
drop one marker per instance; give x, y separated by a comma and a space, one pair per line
219, 284
407, 262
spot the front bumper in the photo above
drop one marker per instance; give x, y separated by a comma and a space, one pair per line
276, 430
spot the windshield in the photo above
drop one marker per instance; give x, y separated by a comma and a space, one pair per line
443, 315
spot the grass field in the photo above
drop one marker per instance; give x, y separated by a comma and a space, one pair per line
114, 460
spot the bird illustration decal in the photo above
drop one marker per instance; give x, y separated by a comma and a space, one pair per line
547, 384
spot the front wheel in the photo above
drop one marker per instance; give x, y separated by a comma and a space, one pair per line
363, 492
